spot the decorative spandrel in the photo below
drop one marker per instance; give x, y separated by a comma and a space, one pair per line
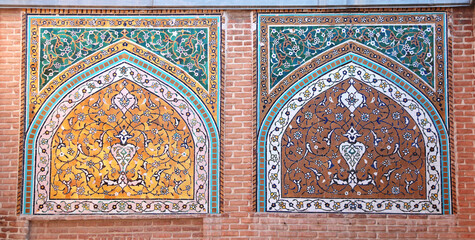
122, 115
62, 47
412, 46
185, 46
353, 113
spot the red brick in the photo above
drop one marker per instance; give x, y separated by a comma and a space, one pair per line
238, 219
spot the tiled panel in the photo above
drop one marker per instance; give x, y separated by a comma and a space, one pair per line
122, 114
353, 113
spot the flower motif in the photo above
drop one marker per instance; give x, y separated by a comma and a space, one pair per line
298, 135
407, 136
308, 115
395, 190
364, 117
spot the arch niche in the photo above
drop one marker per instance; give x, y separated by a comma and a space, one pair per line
124, 136
358, 138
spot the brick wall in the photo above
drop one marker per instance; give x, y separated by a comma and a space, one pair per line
238, 219
10, 68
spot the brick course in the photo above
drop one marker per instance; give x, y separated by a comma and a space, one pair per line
239, 220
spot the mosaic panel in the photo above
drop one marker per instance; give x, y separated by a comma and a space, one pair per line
122, 114
353, 113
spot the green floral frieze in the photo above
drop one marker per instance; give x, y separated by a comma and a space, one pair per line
187, 48
410, 45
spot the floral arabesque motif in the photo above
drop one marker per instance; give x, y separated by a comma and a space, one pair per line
327, 139
412, 46
62, 47
121, 137
93, 160
390, 164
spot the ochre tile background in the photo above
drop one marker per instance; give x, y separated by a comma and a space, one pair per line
239, 219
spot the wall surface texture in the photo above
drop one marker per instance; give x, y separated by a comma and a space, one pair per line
238, 218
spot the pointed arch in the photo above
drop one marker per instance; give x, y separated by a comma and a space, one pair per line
320, 78
114, 63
